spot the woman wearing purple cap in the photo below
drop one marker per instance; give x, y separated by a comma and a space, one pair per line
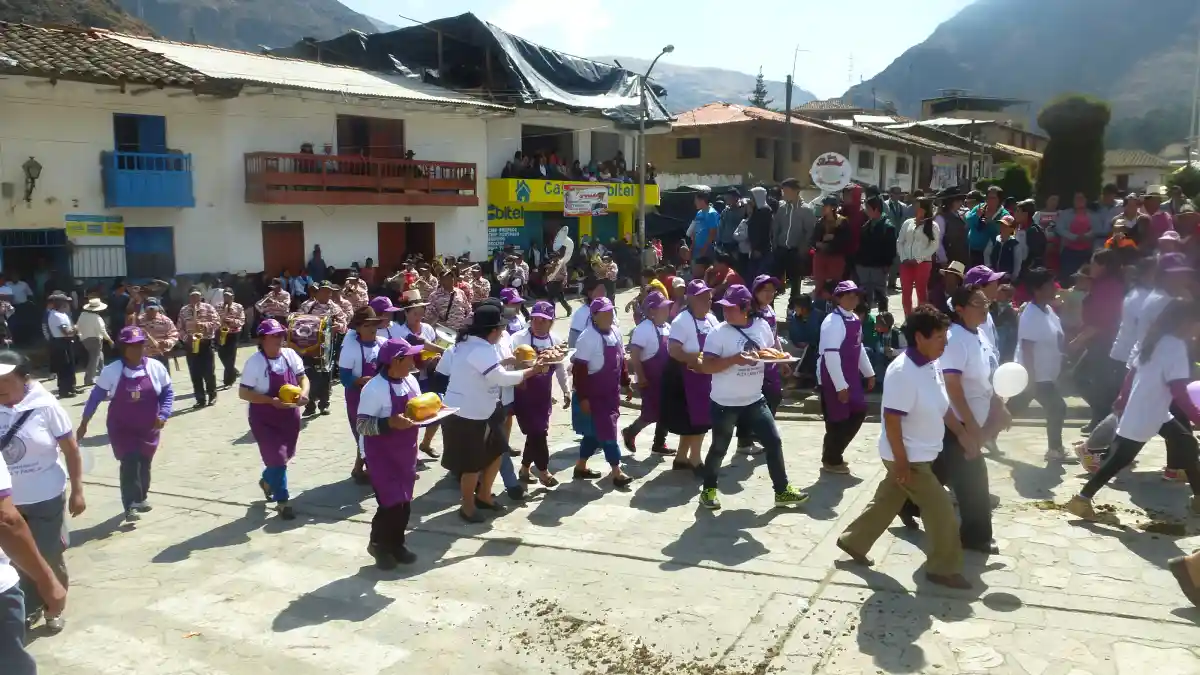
274, 423
686, 406
142, 398
599, 373
357, 364
414, 330
389, 440
533, 401
593, 289
649, 354
513, 302
763, 290
843, 364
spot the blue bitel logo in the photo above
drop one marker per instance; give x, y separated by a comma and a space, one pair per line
523, 191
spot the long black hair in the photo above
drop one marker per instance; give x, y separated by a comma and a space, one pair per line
1176, 315
926, 205
960, 297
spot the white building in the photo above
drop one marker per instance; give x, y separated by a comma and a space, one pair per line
155, 158
1134, 170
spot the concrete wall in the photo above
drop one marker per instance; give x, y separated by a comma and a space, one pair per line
504, 137
68, 125
1137, 178
886, 159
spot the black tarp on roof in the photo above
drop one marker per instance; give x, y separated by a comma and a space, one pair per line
520, 71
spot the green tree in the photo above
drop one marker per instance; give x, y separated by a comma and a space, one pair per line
1073, 160
1187, 177
758, 97
1015, 181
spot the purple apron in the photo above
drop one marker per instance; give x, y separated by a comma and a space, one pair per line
697, 388
131, 416
392, 456
514, 325
604, 397
849, 353
354, 394
531, 401
276, 429
772, 380
653, 368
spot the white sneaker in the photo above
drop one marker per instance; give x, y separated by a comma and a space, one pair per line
1059, 455
750, 449
132, 515
141, 507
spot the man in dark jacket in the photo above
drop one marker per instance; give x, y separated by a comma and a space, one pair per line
730, 217
758, 225
876, 252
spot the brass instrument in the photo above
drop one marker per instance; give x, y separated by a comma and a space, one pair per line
196, 338
224, 334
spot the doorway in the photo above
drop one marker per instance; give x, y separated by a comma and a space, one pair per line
283, 246
398, 240
37, 255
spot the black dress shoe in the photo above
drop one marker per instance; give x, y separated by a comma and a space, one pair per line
516, 493
404, 556
475, 517
490, 506
988, 548
909, 521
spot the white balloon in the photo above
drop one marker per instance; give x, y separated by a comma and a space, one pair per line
1010, 379
87, 458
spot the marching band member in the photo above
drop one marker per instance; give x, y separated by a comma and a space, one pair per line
323, 304
414, 330
318, 371
340, 300
389, 441
161, 334
276, 304
141, 403
274, 423
233, 319
357, 364
198, 323
649, 355
355, 292
533, 401
513, 302
449, 305
842, 360
599, 373
481, 286
687, 408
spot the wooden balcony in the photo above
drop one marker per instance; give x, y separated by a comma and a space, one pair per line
346, 180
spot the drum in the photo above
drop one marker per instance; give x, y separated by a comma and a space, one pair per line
446, 337
312, 338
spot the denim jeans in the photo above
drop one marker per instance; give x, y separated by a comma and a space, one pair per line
589, 445
14, 660
757, 418
508, 473
276, 477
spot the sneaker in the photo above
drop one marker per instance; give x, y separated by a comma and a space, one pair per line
32, 620
55, 624
1081, 507
1174, 475
132, 516
141, 507
1059, 455
383, 559
709, 499
790, 497
749, 449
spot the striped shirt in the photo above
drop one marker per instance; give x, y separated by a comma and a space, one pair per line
355, 292
275, 303
233, 317
163, 332
329, 309
481, 289
199, 318
450, 308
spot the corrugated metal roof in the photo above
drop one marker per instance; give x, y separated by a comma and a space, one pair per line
732, 113
874, 119
1134, 158
226, 64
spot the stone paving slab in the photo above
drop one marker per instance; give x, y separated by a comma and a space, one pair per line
588, 579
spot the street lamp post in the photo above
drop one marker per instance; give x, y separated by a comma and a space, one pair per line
641, 163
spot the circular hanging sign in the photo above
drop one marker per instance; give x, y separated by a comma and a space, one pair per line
831, 172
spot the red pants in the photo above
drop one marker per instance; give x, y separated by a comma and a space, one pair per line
914, 274
827, 267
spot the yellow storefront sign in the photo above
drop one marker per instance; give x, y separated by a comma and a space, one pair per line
543, 195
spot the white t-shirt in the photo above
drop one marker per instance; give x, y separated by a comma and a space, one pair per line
58, 323
443, 364
684, 330
581, 318
1147, 314
111, 376
833, 334
351, 357
376, 399
21, 292
8, 573
738, 386
1149, 404
37, 468
918, 393
426, 332
1127, 333
254, 372
646, 336
590, 348
526, 337
1044, 330
972, 356
476, 378
504, 349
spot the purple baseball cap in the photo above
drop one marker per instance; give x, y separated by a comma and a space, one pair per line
736, 295
1174, 262
543, 310
982, 275
601, 305
846, 287
510, 296
697, 287
763, 279
655, 300
396, 348
131, 335
270, 327
382, 304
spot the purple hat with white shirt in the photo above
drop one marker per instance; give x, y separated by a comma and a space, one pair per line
762, 280
1174, 262
270, 327
736, 295
600, 305
655, 300
542, 310
982, 275
697, 287
382, 305
131, 335
510, 296
396, 348
846, 287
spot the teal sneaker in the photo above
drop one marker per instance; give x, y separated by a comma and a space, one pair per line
709, 499
790, 497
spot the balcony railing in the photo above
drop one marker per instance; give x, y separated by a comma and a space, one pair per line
286, 178
147, 180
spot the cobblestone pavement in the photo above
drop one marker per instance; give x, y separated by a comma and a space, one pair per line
587, 579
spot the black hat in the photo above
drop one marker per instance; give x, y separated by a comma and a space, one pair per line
487, 316
950, 194
328, 285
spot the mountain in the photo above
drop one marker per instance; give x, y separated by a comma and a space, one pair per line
90, 13
1138, 55
691, 87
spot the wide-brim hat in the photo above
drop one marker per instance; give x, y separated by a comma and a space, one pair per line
956, 268
410, 299
364, 316
951, 194
95, 305
486, 317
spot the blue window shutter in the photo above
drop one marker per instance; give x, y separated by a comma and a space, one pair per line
152, 133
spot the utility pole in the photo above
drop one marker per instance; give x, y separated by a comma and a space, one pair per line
643, 113
787, 120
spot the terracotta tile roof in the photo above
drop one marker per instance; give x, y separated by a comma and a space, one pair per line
828, 104
85, 55
1014, 150
1133, 158
732, 113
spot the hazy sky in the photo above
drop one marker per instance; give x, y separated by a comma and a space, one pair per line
834, 31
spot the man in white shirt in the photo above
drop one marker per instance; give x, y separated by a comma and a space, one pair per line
61, 331
737, 398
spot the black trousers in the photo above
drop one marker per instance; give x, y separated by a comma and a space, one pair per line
228, 355
537, 451
1099, 379
1182, 452
660, 431
838, 436
791, 265
388, 526
555, 290
135, 480
201, 365
1048, 396
318, 389
62, 363
610, 288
